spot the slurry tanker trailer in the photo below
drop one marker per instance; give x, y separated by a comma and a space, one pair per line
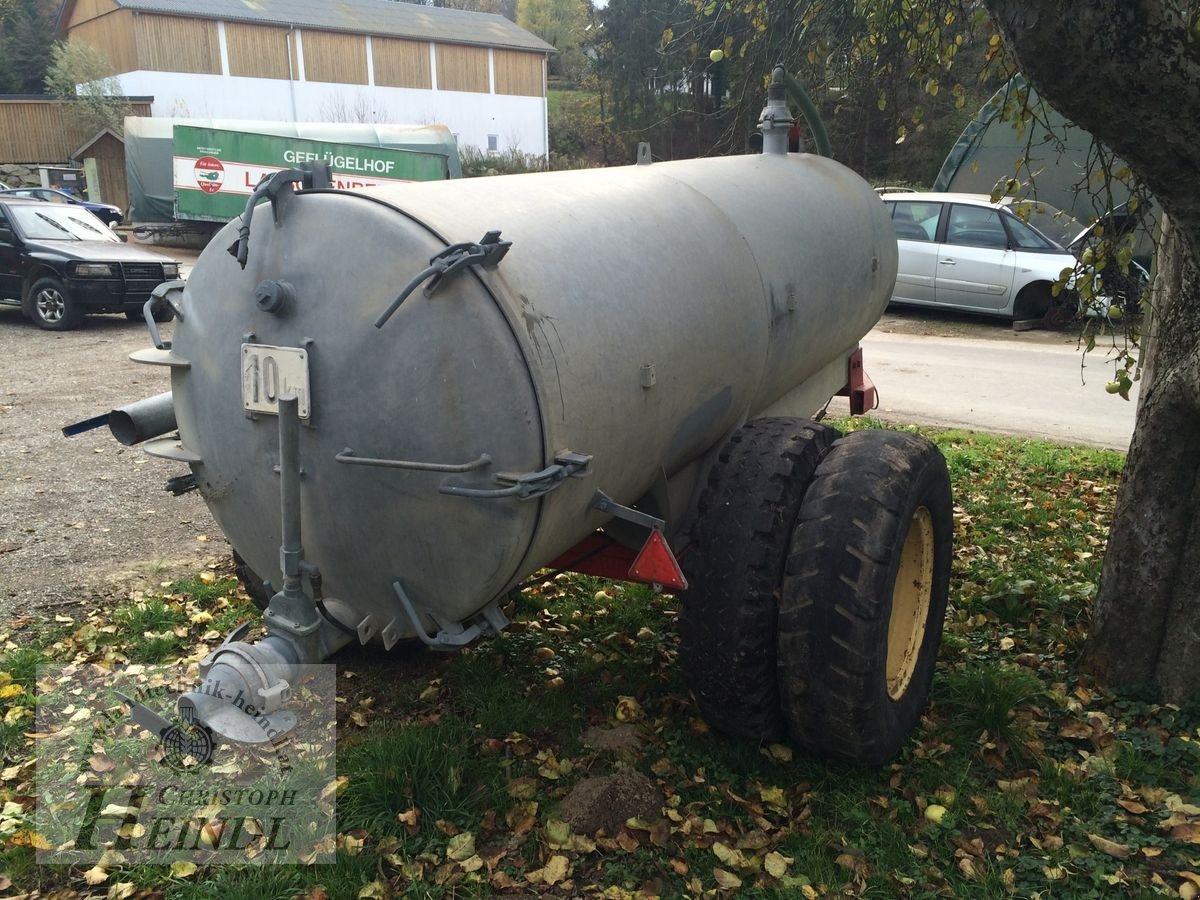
400, 402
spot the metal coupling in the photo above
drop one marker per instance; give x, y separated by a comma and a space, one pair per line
244, 689
776, 120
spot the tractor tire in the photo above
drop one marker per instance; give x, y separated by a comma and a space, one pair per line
734, 568
254, 586
864, 596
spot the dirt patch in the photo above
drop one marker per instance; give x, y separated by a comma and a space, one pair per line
83, 518
604, 803
619, 739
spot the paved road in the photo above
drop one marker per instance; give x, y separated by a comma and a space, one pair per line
990, 379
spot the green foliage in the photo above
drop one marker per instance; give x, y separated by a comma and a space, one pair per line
560, 23
879, 72
26, 30
82, 74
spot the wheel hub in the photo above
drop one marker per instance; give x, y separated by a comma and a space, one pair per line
50, 305
911, 596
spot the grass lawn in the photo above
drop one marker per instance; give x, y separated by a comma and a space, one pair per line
1021, 780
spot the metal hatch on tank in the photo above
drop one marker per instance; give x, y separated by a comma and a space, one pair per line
406, 400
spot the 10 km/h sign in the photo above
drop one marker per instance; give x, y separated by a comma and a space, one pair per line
216, 170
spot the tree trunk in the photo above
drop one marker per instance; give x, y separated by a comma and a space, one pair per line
1147, 619
1128, 72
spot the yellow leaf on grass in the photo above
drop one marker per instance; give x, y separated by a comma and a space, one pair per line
375, 890
728, 855
556, 870
181, 868
95, 875
726, 880
1175, 804
628, 710
780, 752
122, 890
774, 796
461, 846
777, 864
11, 690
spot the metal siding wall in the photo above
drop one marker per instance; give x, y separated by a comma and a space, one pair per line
43, 131
86, 10
519, 74
257, 51
337, 58
175, 44
111, 34
461, 68
400, 63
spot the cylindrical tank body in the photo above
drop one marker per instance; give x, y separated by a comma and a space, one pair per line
640, 315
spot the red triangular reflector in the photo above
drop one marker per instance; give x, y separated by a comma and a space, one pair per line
655, 564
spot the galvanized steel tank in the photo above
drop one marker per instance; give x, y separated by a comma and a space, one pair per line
641, 314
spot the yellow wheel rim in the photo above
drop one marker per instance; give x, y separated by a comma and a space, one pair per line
910, 603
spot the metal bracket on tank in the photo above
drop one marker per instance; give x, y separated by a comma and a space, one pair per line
528, 485
487, 253
160, 297
452, 635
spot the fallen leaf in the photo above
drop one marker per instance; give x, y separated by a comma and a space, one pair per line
775, 797
119, 891
726, 880
552, 873
1175, 804
523, 788
375, 890
1189, 833
1112, 848
728, 855
777, 864
628, 710
181, 868
461, 846
95, 875
780, 752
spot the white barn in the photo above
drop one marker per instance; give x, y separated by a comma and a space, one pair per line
371, 61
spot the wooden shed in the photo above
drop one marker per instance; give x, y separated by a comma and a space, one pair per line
108, 149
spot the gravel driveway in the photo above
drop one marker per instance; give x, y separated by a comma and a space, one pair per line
83, 518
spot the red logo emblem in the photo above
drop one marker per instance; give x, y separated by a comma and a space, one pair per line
210, 174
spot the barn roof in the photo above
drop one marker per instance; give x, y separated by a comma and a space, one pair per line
388, 18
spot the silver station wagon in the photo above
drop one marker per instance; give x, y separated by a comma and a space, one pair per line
964, 252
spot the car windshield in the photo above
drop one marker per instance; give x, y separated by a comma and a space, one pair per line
1061, 227
60, 223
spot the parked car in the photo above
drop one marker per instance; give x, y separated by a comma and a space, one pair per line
58, 263
964, 252
105, 212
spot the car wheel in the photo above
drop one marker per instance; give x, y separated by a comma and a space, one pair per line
51, 307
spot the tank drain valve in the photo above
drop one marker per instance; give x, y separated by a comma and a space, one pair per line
487, 253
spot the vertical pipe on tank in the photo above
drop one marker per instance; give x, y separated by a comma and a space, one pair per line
291, 550
776, 119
